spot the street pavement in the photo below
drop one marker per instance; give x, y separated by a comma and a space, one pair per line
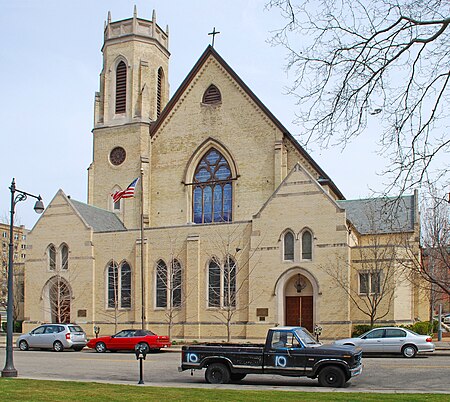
427, 373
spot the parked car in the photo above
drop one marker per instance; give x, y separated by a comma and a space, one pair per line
54, 336
391, 340
446, 318
128, 339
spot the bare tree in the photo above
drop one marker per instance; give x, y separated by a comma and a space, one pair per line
372, 275
229, 273
354, 59
430, 268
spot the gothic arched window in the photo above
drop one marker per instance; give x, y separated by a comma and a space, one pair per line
222, 283
119, 285
121, 87
288, 246
306, 245
64, 257
168, 284
161, 284
212, 189
176, 283
51, 253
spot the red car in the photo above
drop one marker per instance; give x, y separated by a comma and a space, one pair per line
128, 339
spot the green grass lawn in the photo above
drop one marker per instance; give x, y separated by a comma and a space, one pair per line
33, 390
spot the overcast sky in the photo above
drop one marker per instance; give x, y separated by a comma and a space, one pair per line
50, 65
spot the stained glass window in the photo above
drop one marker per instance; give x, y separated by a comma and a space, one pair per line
288, 246
212, 190
306, 246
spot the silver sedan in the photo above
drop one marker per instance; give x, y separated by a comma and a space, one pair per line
391, 340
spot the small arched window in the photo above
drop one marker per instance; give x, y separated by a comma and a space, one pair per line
121, 87
306, 245
288, 243
159, 91
212, 95
51, 253
64, 257
212, 189
161, 284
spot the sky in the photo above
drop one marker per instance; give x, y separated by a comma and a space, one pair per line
50, 64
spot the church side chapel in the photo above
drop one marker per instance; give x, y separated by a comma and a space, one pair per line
205, 218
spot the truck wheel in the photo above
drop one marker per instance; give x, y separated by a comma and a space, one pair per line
331, 376
217, 373
235, 377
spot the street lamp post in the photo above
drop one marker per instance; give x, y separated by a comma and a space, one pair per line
9, 369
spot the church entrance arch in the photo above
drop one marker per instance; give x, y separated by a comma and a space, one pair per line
57, 296
296, 292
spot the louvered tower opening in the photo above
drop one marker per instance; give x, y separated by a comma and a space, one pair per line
212, 95
159, 92
121, 88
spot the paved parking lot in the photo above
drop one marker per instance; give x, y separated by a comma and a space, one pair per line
428, 373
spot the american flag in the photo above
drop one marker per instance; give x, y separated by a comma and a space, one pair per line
127, 193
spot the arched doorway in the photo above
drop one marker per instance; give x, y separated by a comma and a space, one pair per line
296, 291
299, 302
57, 296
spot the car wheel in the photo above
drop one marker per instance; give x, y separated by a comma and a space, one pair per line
58, 346
100, 347
23, 345
331, 376
409, 351
217, 373
235, 377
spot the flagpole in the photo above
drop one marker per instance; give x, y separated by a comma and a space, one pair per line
142, 252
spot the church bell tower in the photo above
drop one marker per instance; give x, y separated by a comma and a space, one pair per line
133, 91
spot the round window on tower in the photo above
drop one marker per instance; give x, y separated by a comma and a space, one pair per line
117, 156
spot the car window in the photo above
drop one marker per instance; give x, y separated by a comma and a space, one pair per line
38, 331
75, 328
60, 328
395, 333
141, 332
51, 329
124, 334
376, 333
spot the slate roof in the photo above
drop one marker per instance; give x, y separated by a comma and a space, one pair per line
99, 219
381, 215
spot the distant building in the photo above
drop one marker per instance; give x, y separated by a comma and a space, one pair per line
20, 253
241, 225
436, 261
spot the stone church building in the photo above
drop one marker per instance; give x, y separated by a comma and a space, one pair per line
242, 229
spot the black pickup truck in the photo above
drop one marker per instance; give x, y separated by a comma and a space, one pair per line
288, 351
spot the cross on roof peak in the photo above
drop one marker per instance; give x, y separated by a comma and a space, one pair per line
213, 33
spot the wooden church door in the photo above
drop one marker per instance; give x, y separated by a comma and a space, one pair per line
299, 311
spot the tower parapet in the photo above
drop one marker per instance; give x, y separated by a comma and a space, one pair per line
136, 27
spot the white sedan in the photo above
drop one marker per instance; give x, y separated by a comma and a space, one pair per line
391, 340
